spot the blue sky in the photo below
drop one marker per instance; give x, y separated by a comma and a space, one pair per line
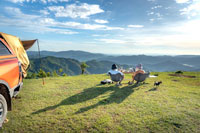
128, 27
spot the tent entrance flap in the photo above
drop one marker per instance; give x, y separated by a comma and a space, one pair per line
28, 43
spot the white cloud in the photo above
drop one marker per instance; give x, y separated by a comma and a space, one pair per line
74, 11
18, 1
135, 26
30, 23
191, 10
158, 15
150, 13
16, 13
155, 7
42, 24
184, 35
103, 35
152, 19
101, 21
64, 0
43, 1
151, 0
182, 1
45, 12
77, 25
112, 41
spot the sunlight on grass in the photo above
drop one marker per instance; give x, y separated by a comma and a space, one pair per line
81, 104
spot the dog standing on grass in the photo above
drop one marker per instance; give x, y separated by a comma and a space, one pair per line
157, 83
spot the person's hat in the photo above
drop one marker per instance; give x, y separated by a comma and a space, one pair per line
114, 66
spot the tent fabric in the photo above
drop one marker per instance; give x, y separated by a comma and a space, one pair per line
17, 47
28, 43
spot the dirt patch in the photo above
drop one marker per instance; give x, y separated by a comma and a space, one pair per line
181, 75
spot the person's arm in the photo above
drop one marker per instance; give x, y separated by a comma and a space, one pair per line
121, 73
108, 73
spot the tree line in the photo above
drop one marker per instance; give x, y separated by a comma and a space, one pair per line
43, 74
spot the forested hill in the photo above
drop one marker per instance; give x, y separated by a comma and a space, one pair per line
70, 66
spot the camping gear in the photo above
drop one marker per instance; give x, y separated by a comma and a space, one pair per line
28, 43
106, 81
19, 48
152, 76
140, 77
116, 77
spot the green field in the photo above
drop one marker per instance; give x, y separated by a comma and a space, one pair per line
81, 104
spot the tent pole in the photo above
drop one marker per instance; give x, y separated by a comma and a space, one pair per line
40, 60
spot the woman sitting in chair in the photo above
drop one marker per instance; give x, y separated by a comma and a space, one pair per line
138, 69
115, 74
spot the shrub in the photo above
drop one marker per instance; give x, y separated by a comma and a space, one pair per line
41, 74
28, 75
48, 74
55, 74
179, 72
33, 75
64, 74
156, 74
60, 71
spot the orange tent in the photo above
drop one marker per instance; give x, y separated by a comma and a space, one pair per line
19, 48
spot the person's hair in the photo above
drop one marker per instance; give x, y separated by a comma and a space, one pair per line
114, 66
139, 66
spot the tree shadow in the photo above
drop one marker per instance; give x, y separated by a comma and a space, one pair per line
118, 95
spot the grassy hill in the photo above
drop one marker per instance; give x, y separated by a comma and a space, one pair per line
80, 104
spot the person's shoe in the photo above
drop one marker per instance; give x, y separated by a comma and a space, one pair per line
130, 82
6, 121
117, 84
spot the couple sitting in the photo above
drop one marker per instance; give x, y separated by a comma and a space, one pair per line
118, 76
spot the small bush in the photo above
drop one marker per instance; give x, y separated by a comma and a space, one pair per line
42, 74
33, 75
156, 74
55, 73
64, 74
179, 72
48, 74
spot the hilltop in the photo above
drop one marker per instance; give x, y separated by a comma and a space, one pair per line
81, 104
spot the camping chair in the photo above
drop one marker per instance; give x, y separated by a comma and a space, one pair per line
140, 77
117, 77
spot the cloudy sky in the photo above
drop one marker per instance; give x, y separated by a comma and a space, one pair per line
153, 27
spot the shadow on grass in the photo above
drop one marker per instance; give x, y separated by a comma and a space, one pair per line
118, 95
153, 89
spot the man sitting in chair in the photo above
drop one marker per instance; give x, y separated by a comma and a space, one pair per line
116, 75
138, 69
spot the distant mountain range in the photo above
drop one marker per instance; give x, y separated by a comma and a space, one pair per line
78, 55
100, 63
70, 66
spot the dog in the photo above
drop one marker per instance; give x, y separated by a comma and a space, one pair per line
157, 83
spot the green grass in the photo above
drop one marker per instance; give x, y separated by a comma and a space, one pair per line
81, 104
